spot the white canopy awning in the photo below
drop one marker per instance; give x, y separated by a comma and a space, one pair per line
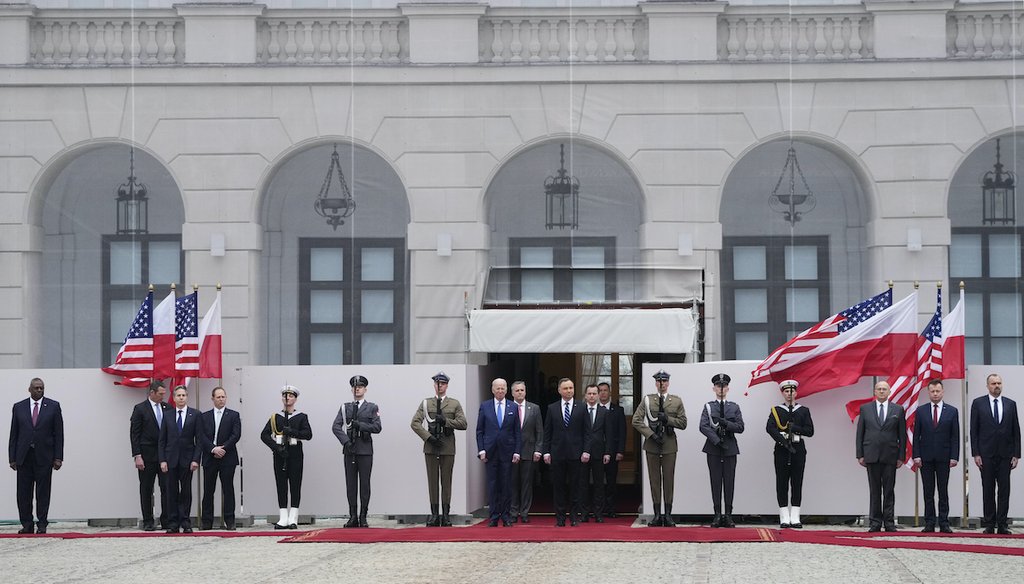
626, 330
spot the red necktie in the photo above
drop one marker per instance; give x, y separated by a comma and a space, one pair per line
935, 416
35, 413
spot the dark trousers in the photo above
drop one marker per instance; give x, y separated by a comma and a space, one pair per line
789, 476
882, 493
179, 497
34, 479
147, 477
723, 481
935, 474
439, 471
226, 474
995, 490
565, 479
288, 476
611, 479
592, 487
522, 487
499, 485
357, 480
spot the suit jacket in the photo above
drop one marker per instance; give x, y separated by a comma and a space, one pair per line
937, 443
648, 411
885, 442
597, 444
732, 421
566, 443
144, 432
47, 435
498, 442
363, 422
227, 437
532, 431
454, 419
180, 448
616, 429
991, 439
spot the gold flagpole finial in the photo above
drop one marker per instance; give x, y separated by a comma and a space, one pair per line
891, 284
218, 286
961, 284
916, 285
939, 285
151, 287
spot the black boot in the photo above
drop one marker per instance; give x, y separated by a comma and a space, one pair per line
656, 521
717, 521
727, 521
362, 518
666, 519
353, 521
433, 520
445, 520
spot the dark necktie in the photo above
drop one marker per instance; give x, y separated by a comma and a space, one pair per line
437, 407
591, 415
565, 416
661, 403
180, 423
935, 416
881, 414
721, 409
995, 410
35, 413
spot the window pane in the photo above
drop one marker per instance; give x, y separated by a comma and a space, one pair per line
974, 351
753, 346
536, 257
752, 306
326, 349
325, 306
588, 257
1004, 256
538, 286
122, 313
802, 305
802, 263
974, 327
164, 262
378, 306
327, 264
378, 264
965, 256
1004, 320
588, 286
378, 348
748, 263
126, 263
625, 364
1006, 351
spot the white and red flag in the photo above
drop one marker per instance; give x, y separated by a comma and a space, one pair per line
869, 338
163, 338
210, 355
954, 366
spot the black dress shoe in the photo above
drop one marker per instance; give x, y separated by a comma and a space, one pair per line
26, 531
230, 527
492, 523
945, 529
1003, 530
599, 519
559, 522
728, 522
42, 529
585, 519
186, 530
148, 526
890, 528
515, 519
874, 529
611, 514
928, 529
524, 519
505, 523
989, 531
205, 527
172, 530
574, 523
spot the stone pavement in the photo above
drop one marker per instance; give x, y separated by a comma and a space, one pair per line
257, 560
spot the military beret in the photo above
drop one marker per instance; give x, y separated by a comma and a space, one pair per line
789, 383
290, 389
661, 374
721, 379
358, 380
441, 376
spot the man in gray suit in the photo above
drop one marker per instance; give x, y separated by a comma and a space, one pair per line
881, 446
533, 439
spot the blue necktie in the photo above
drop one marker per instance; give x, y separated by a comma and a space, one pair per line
566, 415
995, 410
498, 414
179, 421
159, 415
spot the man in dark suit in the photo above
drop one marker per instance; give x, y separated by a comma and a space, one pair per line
220, 430
35, 450
881, 446
936, 451
531, 430
720, 421
498, 444
566, 436
144, 432
592, 485
179, 451
354, 426
615, 431
995, 446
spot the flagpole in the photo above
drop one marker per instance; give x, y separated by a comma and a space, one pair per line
917, 475
964, 519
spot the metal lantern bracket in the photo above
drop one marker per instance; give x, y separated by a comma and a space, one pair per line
790, 203
334, 209
132, 204
562, 198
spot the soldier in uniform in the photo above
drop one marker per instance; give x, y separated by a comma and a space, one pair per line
788, 425
657, 417
435, 421
356, 423
720, 421
283, 434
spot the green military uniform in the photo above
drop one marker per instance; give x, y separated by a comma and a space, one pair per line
439, 448
660, 447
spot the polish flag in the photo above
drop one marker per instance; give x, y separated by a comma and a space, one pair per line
953, 366
164, 338
210, 356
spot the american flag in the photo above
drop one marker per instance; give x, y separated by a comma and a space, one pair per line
186, 337
134, 360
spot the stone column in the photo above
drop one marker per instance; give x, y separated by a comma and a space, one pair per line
909, 29
14, 33
223, 32
683, 31
444, 32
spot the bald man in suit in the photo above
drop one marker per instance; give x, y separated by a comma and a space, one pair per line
881, 446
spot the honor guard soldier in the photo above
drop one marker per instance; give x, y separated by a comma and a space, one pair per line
435, 421
657, 418
788, 425
283, 434
720, 421
356, 423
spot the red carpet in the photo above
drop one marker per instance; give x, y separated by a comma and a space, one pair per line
883, 541
212, 533
540, 530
